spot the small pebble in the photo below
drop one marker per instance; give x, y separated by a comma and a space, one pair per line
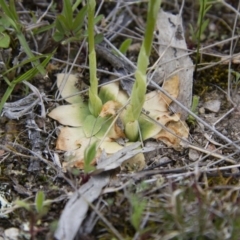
212, 105
12, 233
193, 155
201, 110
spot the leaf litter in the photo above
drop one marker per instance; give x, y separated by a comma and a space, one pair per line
166, 197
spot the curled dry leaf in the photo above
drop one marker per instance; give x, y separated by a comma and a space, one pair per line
158, 101
70, 138
172, 87
73, 141
110, 108
156, 106
179, 128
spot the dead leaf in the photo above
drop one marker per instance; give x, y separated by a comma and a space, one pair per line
171, 86
70, 138
174, 58
158, 101
110, 108
76, 209
180, 129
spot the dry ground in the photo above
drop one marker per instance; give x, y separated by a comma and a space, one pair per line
187, 194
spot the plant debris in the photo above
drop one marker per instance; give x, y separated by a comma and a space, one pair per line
178, 180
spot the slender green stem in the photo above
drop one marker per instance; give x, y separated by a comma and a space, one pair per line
140, 85
95, 103
139, 88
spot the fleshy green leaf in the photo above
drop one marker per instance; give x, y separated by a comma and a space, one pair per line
39, 201
65, 24
148, 128
105, 128
71, 115
92, 125
4, 22
138, 94
58, 36
67, 12
95, 103
89, 154
23, 204
59, 25
79, 20
132, 130
139, 87
109, 92
4, 40
98, 38
98, 19
125, 45
138, 207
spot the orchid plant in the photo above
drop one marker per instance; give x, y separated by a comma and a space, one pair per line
97, 126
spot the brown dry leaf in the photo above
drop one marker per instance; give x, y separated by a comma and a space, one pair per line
115, 133
73, 141
179, 128
158, 101
172, 87
70, 138
156, 106
172, 122
110, 108
164, 118
154, 101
